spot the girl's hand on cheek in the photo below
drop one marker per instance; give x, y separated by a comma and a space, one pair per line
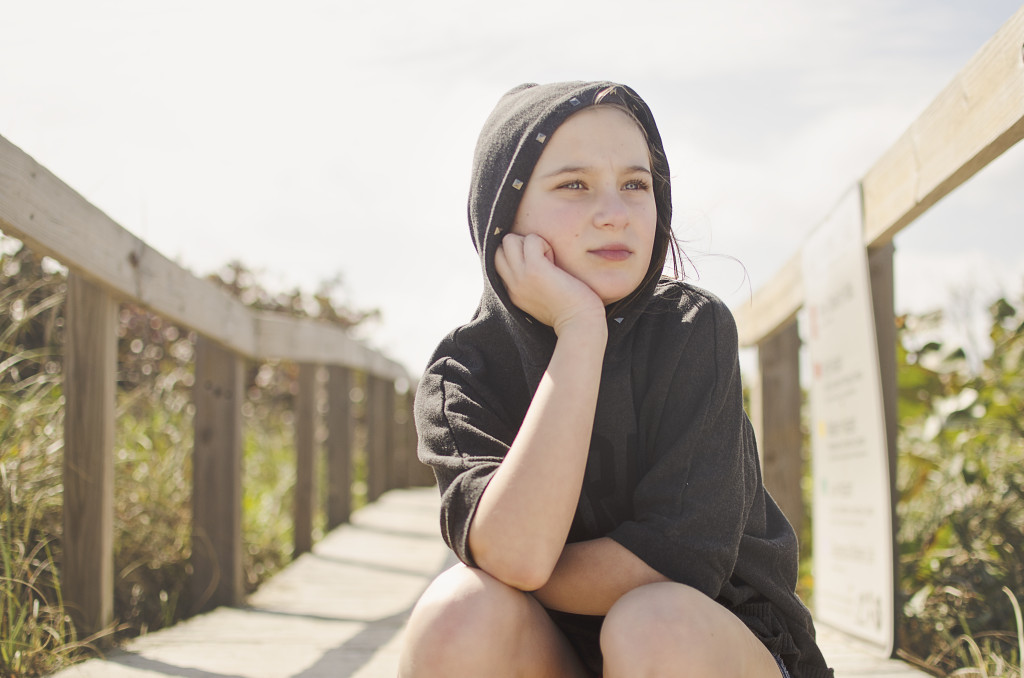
536, 285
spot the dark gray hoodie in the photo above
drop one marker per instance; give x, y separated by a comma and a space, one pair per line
673, 473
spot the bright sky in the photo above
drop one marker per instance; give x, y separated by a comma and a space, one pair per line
308, 139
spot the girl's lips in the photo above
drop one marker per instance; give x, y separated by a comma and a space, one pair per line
613, 253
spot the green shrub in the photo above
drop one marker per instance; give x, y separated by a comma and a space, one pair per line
961, 505
153, 448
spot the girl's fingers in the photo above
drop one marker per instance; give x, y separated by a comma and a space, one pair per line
508, 258
536, 246
514, 246
535, 283
514, 252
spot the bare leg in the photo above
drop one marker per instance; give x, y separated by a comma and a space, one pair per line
672, 630
468, 623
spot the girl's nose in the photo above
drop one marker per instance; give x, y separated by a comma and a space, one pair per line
611, 210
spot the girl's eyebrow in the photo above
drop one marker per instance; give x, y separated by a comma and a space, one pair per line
574, 169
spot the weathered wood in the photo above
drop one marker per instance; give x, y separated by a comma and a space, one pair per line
107, 262
773, 306
880, 263
305, 458
977, 117
340, 442
54, 220
218, 394
314, 341
90, 373
419, 473
377, 461
398, 467
406, 442
780, 435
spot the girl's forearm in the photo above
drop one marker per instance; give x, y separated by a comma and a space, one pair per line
524, 515
592, 575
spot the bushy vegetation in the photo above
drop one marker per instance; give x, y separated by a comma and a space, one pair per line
961, 508
153, 446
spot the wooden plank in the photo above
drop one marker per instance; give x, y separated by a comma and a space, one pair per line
773, 306
404, 453
377, 461
392, 439
977, 117
305, 458
780, 437
419, 473
54, 220
90, 373
339, 611
313, 341
217, 478
340, 442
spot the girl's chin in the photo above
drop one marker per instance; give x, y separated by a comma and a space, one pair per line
611, 294
614, 298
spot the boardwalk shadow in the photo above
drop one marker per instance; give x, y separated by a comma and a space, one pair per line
346, 659
368, 565
430, 535
137, 661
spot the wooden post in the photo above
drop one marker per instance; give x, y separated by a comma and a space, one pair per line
780, 437
414, 467
405, 440
90, 373
376, 443
420, 474
217, 478
397, 476
880, 264
305, 466
340, 431
396, 441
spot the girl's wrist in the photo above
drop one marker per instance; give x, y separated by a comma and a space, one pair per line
583, 328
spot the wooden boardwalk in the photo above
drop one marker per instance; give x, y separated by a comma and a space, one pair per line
338, 612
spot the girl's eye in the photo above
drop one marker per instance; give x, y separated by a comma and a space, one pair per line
575, 184
636, 185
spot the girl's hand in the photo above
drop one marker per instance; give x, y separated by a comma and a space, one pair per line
526, 264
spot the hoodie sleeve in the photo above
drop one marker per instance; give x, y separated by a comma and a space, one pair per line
464, 437
691, 507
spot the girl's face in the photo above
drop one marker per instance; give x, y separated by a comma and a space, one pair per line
590, 197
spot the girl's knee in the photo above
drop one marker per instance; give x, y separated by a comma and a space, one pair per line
460, 607
655, 608
669, 629
658, 626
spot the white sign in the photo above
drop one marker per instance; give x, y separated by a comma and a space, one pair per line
853, 540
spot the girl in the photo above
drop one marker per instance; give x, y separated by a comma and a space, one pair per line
599, 478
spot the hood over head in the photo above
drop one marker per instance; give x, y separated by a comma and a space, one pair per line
510, 143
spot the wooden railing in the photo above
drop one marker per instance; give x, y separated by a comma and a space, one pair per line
106, 265
975, 119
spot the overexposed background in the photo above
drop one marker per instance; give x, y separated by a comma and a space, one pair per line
313, 138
